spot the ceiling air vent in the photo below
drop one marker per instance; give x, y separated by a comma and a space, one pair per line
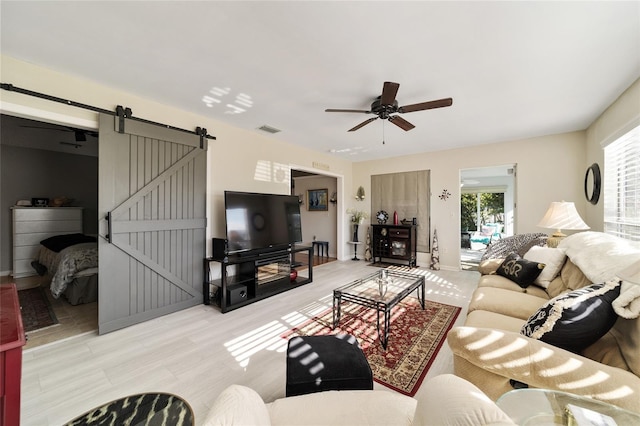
269, 129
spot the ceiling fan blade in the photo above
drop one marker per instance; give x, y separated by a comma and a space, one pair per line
426, 105
401, 122
364, 123
389, 91
347, 110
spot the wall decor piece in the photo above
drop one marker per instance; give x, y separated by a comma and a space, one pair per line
445, 195
382, 217
360, 194
592, 184
435, 253
317, 200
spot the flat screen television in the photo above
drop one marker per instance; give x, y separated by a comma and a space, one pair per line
261, 221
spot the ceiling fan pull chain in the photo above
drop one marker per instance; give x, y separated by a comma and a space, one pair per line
383, 131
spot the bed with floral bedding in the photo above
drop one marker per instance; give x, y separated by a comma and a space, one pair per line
72, 263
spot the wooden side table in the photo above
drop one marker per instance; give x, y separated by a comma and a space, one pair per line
321, 246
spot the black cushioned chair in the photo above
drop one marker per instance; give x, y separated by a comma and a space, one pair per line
321, 363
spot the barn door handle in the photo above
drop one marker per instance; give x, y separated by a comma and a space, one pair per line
108, 236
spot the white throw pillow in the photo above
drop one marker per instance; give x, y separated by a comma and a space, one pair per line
238, 405
552, 257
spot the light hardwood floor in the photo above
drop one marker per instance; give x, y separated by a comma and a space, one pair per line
198, 352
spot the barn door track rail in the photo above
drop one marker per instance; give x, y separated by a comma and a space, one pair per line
120, 111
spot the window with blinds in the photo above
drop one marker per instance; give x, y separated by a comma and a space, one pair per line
622, 186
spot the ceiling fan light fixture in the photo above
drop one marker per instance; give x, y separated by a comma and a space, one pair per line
386, 107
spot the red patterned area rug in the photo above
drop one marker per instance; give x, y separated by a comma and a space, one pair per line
415, 337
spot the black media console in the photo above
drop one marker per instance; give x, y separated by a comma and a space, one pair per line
255, 275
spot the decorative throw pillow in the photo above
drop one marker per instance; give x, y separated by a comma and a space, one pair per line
553, 258
521, 271
577, 319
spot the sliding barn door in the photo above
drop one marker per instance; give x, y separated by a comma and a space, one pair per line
151, 205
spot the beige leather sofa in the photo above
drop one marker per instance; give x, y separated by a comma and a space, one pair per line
446, 400
489, 350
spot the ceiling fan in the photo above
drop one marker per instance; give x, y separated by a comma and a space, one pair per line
386, 107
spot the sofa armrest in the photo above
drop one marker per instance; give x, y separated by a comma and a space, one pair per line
451, 400
489, 266
540, 365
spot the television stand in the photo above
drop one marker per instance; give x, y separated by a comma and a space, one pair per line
247, 278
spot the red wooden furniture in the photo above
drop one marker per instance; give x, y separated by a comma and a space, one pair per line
12, 339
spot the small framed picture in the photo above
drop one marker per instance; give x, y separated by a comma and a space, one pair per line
39, 202
317, 200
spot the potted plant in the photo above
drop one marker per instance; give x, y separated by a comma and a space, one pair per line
357, 218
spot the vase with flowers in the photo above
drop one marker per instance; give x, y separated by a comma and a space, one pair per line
357, 218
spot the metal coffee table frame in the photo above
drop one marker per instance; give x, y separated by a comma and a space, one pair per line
364, 292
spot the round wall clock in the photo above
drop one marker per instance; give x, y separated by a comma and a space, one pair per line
382, 217
592, 182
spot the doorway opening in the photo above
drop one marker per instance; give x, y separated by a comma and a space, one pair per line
487, 210
58, 162
319, 226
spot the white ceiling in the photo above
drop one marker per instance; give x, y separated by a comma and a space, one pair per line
514, 69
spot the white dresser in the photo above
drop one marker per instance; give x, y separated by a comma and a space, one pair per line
34, 224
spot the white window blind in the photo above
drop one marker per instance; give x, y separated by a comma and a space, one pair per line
622, 186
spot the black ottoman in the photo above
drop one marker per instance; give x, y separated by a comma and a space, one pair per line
320, 363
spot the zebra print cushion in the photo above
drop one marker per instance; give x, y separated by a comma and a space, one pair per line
577, 319
520, 243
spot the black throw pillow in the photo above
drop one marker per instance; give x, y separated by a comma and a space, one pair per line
58, 243
577, 319
521, 271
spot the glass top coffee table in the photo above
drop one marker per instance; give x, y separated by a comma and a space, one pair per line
381, 290
544, 407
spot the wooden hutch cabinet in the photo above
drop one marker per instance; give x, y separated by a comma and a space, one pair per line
394, 242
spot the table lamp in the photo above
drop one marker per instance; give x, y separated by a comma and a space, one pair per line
561, 215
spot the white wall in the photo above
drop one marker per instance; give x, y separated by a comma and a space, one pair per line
619, 118
320, 224
238, 160
550, 168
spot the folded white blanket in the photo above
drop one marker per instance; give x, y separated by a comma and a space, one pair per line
602, 257
627, 305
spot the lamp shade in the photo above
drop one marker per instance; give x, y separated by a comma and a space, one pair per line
562, 215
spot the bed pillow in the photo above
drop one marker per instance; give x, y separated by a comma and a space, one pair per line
58, 243
553, 258
521, 271
575, 320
